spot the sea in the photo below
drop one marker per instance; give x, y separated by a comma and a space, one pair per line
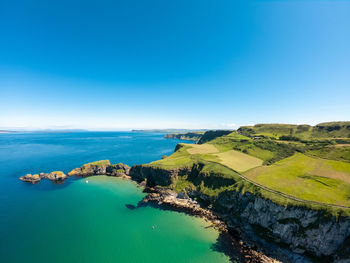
91, 222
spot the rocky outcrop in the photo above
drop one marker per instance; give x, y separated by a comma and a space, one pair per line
56, 176
103, 167
119, 170
35, 178
94, 168
156, 175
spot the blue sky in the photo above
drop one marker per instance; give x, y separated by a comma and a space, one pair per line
173, 64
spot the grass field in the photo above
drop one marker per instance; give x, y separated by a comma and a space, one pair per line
336, 152
202, 149
307, 178
238, 161
302, 176
266, 149
179, 158
303, 132
310, 170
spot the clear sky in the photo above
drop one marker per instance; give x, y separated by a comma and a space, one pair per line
112, 64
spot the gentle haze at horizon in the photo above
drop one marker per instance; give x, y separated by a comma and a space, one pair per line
172, 64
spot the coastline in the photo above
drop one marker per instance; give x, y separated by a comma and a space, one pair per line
231, 243
235, 239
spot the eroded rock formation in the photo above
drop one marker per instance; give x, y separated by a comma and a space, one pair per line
103, 167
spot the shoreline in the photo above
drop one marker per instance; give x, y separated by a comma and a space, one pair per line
235, 240
230, 242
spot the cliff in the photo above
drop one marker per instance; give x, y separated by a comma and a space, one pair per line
103, 167
305, 231
155, 176
302, 230
189, 136
211, 135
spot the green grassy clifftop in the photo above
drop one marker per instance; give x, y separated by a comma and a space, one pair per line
294, 192
308, 173
325, 130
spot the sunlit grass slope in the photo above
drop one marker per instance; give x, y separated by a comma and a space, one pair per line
304, 132
307, 178
310, 170
238, 161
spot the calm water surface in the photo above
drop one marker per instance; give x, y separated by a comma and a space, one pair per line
79, 222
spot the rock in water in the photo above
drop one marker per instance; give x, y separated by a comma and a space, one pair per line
53, 176
94, 168
103, 167
56, 176
30, 178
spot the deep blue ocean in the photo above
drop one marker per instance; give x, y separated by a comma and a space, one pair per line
79, 222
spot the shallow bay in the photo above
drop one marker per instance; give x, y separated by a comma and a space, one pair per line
90, 222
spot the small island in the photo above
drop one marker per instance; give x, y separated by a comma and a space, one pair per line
53, 176
103, 167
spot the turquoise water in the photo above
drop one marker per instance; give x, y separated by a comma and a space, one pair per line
80, 222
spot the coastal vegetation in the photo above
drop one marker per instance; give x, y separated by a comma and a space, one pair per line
310, 169
326, 130
211, 135
307, 178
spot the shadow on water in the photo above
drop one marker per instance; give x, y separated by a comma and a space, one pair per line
230, 244
131, 207
226, 243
